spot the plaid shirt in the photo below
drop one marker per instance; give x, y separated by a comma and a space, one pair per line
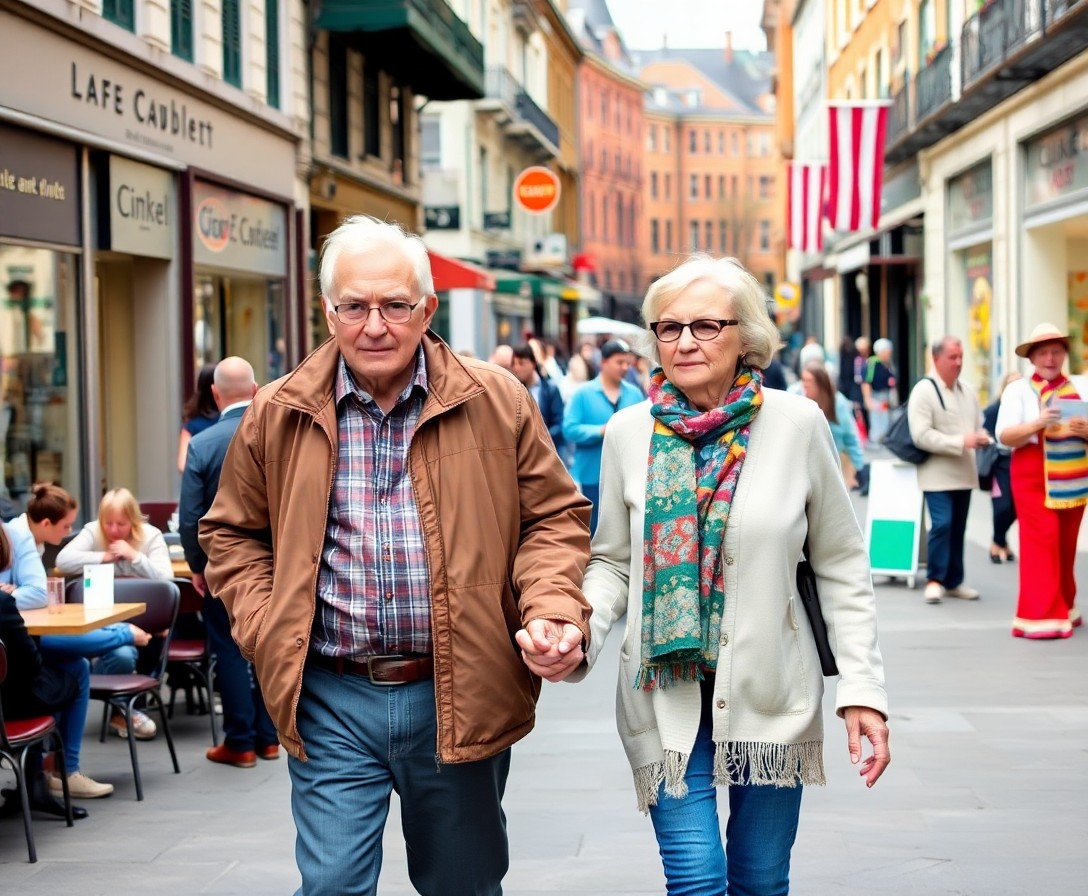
373, 588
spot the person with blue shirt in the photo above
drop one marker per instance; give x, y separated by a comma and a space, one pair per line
24, 578
588, 412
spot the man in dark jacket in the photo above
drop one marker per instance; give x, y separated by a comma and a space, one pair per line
545, 393
248, 731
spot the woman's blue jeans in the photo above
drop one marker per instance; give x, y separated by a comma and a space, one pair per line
758, 839
363, 741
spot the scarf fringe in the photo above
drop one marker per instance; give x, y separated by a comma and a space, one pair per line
651, 676
750, 762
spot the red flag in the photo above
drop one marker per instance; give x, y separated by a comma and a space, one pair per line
805, 210
857, 165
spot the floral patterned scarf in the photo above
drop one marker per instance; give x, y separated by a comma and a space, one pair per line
694, 464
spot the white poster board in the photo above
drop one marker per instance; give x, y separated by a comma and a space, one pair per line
893, 528
98, 585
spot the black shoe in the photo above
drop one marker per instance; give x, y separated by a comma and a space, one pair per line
995, 558
41, 801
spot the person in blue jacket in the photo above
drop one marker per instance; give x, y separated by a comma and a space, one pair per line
588, 412
545, 393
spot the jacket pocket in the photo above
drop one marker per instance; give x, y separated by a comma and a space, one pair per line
772, 678
635, 706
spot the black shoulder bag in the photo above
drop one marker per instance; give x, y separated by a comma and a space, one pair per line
898, 438
810, 600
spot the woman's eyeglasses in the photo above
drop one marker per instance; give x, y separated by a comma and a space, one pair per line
704, 329
391, 312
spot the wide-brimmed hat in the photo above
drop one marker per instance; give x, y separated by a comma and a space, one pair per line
1042, 333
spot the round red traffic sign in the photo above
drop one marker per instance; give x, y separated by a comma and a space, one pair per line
537, 189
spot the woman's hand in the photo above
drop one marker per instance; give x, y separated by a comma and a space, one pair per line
1049, 417
139, 637
7, 588
863, 721
122, 550
551, 648
1078, 426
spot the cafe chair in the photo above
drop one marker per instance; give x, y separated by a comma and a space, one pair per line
190, 659
121, 692
158, 513
16, 739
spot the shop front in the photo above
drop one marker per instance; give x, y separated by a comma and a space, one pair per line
40, 355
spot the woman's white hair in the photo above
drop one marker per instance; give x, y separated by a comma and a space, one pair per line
361, 233
759, 337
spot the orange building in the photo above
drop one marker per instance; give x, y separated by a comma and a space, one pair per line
610, 117
713, 181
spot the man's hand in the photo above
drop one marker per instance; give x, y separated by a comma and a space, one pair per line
199, 584
551, 648
863, 721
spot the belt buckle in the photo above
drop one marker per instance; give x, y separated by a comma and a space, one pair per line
370, 669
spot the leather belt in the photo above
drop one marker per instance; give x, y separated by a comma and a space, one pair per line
390, 669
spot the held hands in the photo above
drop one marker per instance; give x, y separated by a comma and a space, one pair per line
550, 648
863, 721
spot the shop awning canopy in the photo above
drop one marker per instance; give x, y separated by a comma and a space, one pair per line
450, 273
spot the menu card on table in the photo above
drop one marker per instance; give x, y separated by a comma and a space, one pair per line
98, 585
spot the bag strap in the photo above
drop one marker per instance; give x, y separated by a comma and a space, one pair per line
940, 397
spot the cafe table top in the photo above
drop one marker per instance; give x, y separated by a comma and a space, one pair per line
75, 619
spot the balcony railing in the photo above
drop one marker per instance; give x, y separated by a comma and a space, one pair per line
999, 28
933, 84
502, 86
899, 114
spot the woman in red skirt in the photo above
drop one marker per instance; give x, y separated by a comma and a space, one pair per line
1044, 418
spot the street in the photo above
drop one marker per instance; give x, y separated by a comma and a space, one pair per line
985, 793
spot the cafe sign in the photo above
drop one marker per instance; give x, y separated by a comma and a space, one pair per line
141, 209
238, 231
39, 188
1057, 163
971, 198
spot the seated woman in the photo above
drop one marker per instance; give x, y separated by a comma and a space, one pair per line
23, 577
138, 550
36, 686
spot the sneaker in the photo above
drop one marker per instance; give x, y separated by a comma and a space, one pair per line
142, 726
79, 786
934, 592
963, 592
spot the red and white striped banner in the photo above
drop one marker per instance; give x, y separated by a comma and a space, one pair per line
806, 206
857, 165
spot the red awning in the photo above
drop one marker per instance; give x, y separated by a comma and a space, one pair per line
449, 273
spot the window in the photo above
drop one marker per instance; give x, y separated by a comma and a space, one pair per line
668, 236
120, 12
751, 185
651, 137
764, 236
181, 28
372, 112
485, 181
927, 31
693, 236
693, 186
604, 108
665, 138
604, 160
608, 279
708, 240
736, 144
733, 185
620, 232
604, 218
766, 186
623, 281
693, 141
589, 155
430, 142
232, 43
764, 144
272, 49
706, 187
592, 211
653, 185
721, 186
706, 142
721, 143
668, 185
655, 246
880, 82
723, 233
338, 97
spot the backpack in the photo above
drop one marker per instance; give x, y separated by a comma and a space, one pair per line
897, 439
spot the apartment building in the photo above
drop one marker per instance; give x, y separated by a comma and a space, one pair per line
150, 222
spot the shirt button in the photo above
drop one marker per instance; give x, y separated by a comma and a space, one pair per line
388, 595
720, 704
299, 642
724, 640
729, 561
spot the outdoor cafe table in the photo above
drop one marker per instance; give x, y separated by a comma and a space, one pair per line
75, 619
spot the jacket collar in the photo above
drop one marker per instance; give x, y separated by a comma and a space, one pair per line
309, 387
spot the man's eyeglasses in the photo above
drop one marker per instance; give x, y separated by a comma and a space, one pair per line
396, 312
704, 329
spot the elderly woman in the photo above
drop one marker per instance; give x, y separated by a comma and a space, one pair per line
1049, 473
878, 389
708, 492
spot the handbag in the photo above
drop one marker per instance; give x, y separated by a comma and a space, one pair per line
985, 460
898, 439
810, 600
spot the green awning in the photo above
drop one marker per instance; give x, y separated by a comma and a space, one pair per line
422, 42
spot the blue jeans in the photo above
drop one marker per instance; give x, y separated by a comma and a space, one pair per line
110, 647
947, 528
758, 836
246, 723
73, 718
362, 742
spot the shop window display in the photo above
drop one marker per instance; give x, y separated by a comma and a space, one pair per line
37, 327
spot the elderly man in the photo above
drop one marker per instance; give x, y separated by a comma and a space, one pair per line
945, 420
248, 731
390, 515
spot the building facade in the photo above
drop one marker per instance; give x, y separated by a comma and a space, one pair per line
150, 223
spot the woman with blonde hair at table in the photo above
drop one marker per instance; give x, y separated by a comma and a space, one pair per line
122, 536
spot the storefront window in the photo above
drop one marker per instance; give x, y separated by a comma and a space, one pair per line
238, 315
38, 429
